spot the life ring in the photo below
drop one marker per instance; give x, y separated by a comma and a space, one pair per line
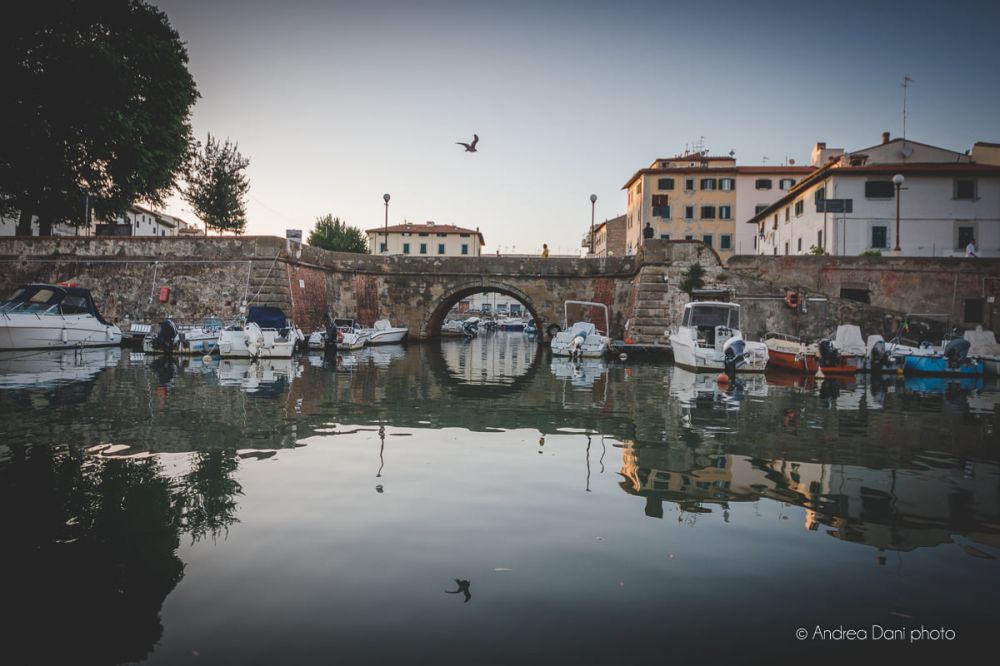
792, 299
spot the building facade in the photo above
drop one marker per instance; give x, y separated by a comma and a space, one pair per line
704, 198
430, 239
609, 238
137, 221
849, 205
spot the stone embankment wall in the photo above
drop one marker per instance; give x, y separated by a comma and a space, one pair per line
216, 275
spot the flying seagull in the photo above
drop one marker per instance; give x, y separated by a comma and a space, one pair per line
470, 147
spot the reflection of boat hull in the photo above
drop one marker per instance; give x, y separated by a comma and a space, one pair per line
938, 365
939, 385
59, 366
30, 331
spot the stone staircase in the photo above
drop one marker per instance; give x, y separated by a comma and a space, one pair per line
653, 297
270, 284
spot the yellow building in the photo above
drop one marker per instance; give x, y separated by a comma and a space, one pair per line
687, 197
426, 240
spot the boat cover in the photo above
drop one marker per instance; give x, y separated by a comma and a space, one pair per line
267, 317
582, 328
848, 340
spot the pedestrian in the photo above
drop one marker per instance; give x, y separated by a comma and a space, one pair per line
970, 249
545, 250
647, 233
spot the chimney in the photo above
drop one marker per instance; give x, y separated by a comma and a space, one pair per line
821, 145
885, 138
430, 223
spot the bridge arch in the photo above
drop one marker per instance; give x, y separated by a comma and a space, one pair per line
431, 326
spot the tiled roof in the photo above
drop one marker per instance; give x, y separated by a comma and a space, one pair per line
427, 229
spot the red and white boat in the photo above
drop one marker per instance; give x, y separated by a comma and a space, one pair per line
841, 356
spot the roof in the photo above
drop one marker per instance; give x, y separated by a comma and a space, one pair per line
776, 169
427, 229
900, 139
165, 220
721, 170
919, 168
987, 144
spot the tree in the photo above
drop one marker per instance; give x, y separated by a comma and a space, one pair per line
217, 185
330, 233
98, 101
693, 278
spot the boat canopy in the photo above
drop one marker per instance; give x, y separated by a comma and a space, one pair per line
848, 340
51, 299
711, 314
267, 317
382, 325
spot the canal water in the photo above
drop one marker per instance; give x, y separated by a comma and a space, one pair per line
484, 502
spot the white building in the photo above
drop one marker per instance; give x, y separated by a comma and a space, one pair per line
137, 221
757, 187
426, 240
848, 206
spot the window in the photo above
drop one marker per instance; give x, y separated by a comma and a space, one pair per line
465, 248
664, 236
725, 212
708, 183
762, 183
786, 247
707, 239
819, 238
879, 189
708, 212
820, 194
759, 208
661, 211
638, 188
442, 235
381, 247
726, 242
689, 184
440, 248
406, 248
880, 237
407, 233
423, 248
857, 294
799, 207
727, 184
800, 245
775, 225
786, 183
965, 188
973, 311
423, 233
665, 184
688, 212
463, 235
964, 233
788, 211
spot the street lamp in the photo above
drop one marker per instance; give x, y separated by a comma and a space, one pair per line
385, 198
897, 180
593, 200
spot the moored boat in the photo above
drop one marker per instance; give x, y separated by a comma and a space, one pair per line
840, 356
54, 316
582, 339
351, 335
171, 338
709, 337
383, 332
267, 333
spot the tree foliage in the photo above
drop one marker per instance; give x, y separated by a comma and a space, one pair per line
217, 185
693, 278
330, 233
98, 100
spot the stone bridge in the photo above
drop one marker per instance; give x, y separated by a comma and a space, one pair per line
216, 275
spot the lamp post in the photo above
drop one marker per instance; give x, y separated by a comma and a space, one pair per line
593, 201
385, 198
897, 180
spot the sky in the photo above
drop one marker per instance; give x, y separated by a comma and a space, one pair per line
336, 103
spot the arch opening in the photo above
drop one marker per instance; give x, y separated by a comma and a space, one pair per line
506, 301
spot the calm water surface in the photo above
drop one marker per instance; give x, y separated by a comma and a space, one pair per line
484, 502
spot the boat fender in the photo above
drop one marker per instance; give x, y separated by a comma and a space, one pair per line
722, 379
792, 299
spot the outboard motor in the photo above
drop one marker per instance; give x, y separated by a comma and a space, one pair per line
576, 346
878, 358
956, 352
734, 356
166, 336
828, 354
471, 329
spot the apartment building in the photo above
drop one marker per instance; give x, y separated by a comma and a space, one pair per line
425, 240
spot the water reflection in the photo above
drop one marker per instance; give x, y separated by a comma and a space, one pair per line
34, 369
493, 452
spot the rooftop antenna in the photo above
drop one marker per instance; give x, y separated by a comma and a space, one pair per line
906, 84
764, 160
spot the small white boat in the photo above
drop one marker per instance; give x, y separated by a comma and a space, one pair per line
316, 340
351, 335
54, 316
383, 332
511, 324
709, 335
457, 328
266, 334
583, 339
187, 340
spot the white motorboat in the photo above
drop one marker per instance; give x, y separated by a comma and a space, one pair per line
511, 324
187, 340
351, 335
457, 328
316, 340
984, 346
383, 332
54, 316
709, 335
267, 333
583, 339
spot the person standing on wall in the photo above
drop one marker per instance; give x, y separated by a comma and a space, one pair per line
545, 250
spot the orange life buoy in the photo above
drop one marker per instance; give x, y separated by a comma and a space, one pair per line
792, 299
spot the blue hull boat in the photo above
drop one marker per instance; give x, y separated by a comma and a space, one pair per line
938, 365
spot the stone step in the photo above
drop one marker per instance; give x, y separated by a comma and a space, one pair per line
653, 331
646, 311
653, 287
658, 271
648, 340
270, 282
658, 322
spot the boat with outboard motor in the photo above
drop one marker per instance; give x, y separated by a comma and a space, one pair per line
351, 335
172, 338
266, 333
459, 328
382, 332
841, 355
582, 339
54, 316
709, 339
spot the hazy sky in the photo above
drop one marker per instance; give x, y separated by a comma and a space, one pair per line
336, 103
